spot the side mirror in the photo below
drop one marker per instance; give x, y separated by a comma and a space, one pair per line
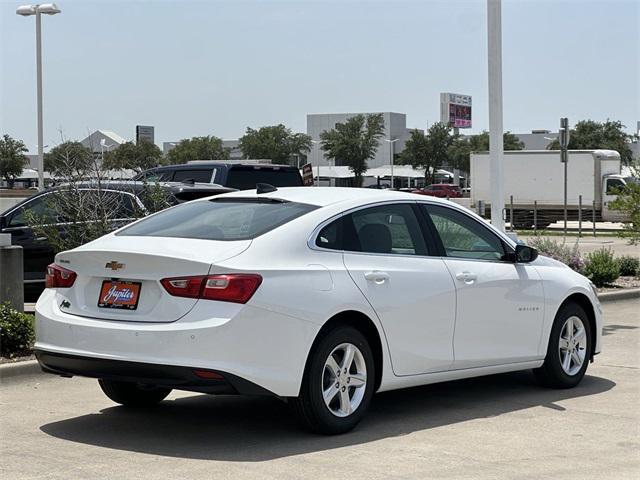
3, 222
525, 254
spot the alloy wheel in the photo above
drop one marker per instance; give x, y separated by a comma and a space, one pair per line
572, 345
344, 380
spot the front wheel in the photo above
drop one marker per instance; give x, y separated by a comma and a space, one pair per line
132, 394
338, 383
569, 349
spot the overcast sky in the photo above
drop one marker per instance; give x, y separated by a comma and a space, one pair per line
216, 67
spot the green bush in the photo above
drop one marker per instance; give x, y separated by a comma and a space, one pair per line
601, 268
16, 332
629, 266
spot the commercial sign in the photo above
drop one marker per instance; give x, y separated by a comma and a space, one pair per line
307, 175
455, 110
144, 133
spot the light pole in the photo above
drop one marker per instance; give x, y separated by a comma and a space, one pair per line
317, 142
391, 142
496, 141
38, 10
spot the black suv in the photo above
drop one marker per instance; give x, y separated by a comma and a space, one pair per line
241, 176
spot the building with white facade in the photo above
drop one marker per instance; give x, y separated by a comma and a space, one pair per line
395, 127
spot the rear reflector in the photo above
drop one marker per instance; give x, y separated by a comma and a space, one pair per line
208, 374
236, 288
59, 277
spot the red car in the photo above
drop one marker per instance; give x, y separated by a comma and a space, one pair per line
442, 190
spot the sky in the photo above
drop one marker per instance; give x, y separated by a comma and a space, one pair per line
193, 68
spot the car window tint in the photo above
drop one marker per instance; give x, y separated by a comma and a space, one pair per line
464, 237
245, 178
200, 176
219, 219
330, 236
36, 208
390, 229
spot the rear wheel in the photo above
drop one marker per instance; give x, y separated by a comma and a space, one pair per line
569, 349
132, 394
338, 383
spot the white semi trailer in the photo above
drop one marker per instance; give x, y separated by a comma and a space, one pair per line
534, 185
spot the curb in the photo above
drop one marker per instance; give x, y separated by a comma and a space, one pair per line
19, 369
622, 295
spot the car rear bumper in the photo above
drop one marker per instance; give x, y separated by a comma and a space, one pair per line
263, 347
172, 376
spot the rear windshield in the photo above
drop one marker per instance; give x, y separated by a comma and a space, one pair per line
245, 178
221, 219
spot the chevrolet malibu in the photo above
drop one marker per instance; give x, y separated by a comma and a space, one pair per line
320, 296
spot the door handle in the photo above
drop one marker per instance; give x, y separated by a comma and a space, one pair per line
466, 277
377, 277
41, 239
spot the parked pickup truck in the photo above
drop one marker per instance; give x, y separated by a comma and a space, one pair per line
535, 182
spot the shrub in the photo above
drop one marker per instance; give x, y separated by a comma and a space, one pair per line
601, 267
559, 251
629, 266
16, 332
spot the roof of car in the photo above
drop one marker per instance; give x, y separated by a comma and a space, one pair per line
323, 196
217, 163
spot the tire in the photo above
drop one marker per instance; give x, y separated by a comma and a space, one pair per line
555, 371
132, 394
349, 403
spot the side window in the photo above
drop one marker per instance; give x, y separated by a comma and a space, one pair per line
36, 207
200, 176
614, 185
464, 237
390, 229
330, 236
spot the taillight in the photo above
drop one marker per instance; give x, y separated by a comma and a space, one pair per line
236, 288
59, 277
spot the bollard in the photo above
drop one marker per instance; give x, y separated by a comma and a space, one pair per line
511, 212
11, 273
535, 216
593, 217
579, 216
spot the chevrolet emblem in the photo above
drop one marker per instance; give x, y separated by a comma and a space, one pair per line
113, 265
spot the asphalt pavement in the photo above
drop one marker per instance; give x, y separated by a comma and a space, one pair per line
498, 427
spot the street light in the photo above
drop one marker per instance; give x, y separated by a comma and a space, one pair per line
391, 142
38, 10
318, 142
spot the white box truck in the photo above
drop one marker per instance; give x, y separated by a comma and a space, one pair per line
534, 179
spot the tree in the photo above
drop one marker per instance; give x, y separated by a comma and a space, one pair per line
276, 142
591, 135
198, 148
628, 202
129, 155
354, 142
69, 160
12, 158
428, 151
461, 147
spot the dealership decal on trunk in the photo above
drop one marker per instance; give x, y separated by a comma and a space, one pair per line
118, 294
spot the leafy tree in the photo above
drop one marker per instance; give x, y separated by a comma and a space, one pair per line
70, 160
429, 151
590, 135
12, 158
461, 147
354, 142
129, 155
198, 148
276, 142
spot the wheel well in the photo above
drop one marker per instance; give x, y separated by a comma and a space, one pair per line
587, 306
364, 325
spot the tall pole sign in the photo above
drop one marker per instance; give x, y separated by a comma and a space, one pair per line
563, 139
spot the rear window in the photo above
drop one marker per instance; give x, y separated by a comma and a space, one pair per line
220, 219
245, 178
200, 176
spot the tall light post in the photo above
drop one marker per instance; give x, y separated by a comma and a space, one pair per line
318, 143
391, 142
38, 10
496, 141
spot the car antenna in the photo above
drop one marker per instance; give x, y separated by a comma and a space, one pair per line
265, 188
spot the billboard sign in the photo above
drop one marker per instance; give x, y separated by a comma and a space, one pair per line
307, 175
455, 110
144, 133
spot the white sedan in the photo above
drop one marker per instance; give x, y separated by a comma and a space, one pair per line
321, 296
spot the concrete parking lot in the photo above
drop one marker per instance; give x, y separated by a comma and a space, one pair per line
497, 427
